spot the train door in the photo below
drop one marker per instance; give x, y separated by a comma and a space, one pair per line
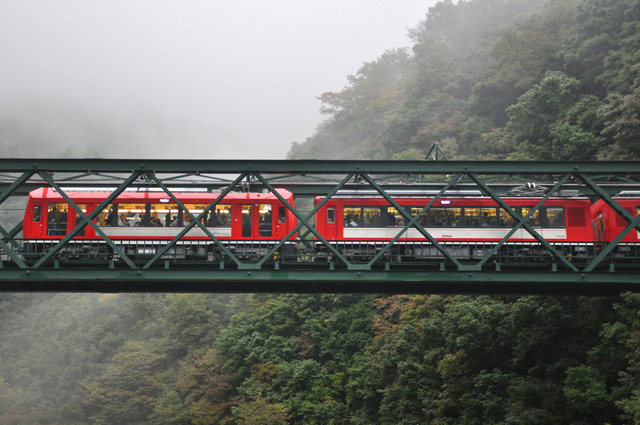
281, 222
598, 228
247, 221
331, 226
265, 221
73, 222
37, 225
57, 219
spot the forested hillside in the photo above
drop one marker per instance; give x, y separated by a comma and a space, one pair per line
495, 79
486, 79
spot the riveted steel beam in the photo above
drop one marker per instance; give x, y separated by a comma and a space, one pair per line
318, 166
301, 281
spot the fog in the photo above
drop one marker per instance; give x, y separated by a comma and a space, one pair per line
195, 79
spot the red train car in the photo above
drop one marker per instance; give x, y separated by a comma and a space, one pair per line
453, 217
608, 224
154, 215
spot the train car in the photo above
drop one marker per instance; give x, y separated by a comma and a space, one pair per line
149, 217
608, 224
468, 224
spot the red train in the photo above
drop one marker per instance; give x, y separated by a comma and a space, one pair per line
358, 223
138, 218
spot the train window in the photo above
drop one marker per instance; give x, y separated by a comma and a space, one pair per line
79, 220
455, 217
131, 215
438, 217
264, 220
109, 216
220, 216
246, 220
163, 215
57, 219
331, 215
446, 217
196, 210
282, 215
555, 216
481, 217
423, 220
506, 219
37, 213
371, 216
352, 216
394, 218
534, 220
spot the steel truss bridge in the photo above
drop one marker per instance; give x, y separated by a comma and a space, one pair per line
599, 272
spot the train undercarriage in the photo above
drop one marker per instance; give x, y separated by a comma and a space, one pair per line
343, 254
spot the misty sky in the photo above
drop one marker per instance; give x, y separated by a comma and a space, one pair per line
188, 79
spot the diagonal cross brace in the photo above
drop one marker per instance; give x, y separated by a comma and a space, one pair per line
304, 220
194, 220
523, 221
409, 218
88, 219
634, 222
414, 220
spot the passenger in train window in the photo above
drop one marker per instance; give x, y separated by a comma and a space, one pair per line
112, 218
485, 220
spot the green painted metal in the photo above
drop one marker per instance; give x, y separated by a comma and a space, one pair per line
334, 281
304, 167
373, 273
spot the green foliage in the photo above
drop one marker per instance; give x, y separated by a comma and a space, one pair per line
126, 392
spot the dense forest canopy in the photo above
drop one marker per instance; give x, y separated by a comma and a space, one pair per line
495, 79
486, 79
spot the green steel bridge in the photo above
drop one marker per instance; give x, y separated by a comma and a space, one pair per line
599, 272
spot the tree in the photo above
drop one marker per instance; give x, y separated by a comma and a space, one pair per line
127, 391
621, 114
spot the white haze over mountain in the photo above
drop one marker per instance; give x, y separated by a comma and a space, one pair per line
192, 79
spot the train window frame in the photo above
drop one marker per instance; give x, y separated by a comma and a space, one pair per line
352, 216
131, 214
265, 220
331, 215
37, 213
446, 217
547, 222
371, 216
394, 218
423, 220
220, 216
535, 219
195, 209
57, 224
78, 220
282, 214
105, 219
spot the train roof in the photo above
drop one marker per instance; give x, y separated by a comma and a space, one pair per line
351, 194
50, 194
